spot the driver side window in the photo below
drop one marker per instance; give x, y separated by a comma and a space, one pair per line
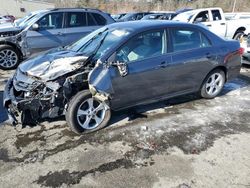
142, 46
202, 17
51, 21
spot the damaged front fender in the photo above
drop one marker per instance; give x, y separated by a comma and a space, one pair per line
100, 84
15, 38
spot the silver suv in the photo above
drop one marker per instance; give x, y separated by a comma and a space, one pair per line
46, 30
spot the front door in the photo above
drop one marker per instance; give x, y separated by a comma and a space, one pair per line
147, 61
50, 33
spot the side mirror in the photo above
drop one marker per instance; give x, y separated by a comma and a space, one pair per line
122, 67
198, 20
35, 26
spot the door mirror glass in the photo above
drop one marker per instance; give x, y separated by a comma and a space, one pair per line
35, 27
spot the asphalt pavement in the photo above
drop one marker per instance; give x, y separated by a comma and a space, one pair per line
183, 142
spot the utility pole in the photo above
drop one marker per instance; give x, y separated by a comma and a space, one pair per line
234, 5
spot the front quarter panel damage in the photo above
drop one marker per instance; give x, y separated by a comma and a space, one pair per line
16, 39
100, 83
45, 98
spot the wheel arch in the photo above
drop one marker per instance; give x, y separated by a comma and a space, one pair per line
220, 67
239, 29
202, 89
16, 47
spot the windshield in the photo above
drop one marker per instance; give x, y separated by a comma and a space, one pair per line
185, 16
25, 18
30, 20
98, 41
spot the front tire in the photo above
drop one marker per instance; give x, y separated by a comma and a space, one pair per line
86, 114
9, 57
213, 84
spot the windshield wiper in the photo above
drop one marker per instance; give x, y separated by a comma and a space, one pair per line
93, 38
96, 48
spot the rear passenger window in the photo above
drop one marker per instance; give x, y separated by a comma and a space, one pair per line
216, 15
76, 19
99, 19
185, 39
91, 20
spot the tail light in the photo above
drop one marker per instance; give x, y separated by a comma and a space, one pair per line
241, 51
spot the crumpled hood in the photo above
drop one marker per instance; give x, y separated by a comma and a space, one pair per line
52, 64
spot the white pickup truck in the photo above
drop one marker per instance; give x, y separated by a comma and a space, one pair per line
214, 20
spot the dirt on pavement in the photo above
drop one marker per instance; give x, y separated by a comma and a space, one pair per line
183, 142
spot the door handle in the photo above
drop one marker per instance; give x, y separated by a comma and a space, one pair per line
209, 25
163, 64
223, 23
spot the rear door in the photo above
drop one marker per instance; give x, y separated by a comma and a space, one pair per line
50, 33
79, 24
146, 60
218, 25
192, 58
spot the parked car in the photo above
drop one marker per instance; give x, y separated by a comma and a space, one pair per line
4, 20
183, 10
214, 20
245, 43
21, 21
159, 16
119, 66
10, 17
132, 16
118, 16
46, 30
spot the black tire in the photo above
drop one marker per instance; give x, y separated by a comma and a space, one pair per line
238, 35
75, 104
14, 60
205, 88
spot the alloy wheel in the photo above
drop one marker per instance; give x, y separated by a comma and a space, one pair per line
8, 58
91, 113
214, 84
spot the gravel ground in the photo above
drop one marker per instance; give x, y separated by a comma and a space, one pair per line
183, 142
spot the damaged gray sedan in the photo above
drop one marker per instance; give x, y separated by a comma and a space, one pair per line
119, 66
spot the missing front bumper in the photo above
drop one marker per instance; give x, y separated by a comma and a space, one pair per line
30, 110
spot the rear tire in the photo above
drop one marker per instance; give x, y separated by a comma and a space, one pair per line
213, 84
86, 114
9, 57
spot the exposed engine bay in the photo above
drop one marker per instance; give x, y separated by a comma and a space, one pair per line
43, 91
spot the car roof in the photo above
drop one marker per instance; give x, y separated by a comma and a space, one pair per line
75, 9
150, 24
